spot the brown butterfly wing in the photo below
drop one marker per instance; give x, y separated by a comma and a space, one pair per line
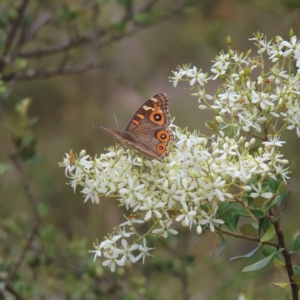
149, 125
147, 130
155, 111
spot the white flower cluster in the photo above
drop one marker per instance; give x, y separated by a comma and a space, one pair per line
200, 173
247, 102
187, 188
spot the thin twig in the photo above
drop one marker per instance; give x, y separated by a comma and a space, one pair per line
36, 214
18, 263
287, 259
246, 237
56, 72
37, 25
11, 290
11, 35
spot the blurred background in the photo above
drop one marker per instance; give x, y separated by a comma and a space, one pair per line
78, 61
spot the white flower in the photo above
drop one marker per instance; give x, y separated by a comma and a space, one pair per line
97, 250
133, 190
187, 215
68, 163
197, 76
176, 78
163, 231
90, 190
185, 190
126, 251
151, 207
112, 261
290, 46
210, 221
144, 251
259, 192
274, 141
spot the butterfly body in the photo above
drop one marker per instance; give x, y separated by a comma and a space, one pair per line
148, 130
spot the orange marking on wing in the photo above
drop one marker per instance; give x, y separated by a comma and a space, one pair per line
163, 136
157, 117
140, 116
161, 148
135, 122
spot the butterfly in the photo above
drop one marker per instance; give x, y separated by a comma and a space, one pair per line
148, 129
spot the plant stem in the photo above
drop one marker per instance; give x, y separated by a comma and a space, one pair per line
287, 259
245, 237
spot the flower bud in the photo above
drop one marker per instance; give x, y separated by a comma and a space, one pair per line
241, 140
228, 40
258, 35
284, 161
246, 145
199, 229
219, 120
216, 152
82, 153
203, 107
248, 52
260, 150
247, 188
252, 141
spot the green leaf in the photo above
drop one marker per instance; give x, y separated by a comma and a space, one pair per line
250, 254
264, 225
231, 220
212, 125
222, 247
267, 250
248, 230
258, 213
43, 209
239, 210
281, 285
282, 187
296, 269
277, 200
269, 234
126, 3
296, 243
223, 207
273, 184
260, 264
258, 201
275, 219
296, 278
4, 168
279, 261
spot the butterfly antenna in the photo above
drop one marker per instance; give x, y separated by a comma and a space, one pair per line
91, 125
116, 119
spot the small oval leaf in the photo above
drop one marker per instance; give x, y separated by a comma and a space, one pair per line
296, 243
248, 230
232, 220
280, 285
223, 245
269, 234
282, 187
260, 264
250, 254
296, 278
239, 210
